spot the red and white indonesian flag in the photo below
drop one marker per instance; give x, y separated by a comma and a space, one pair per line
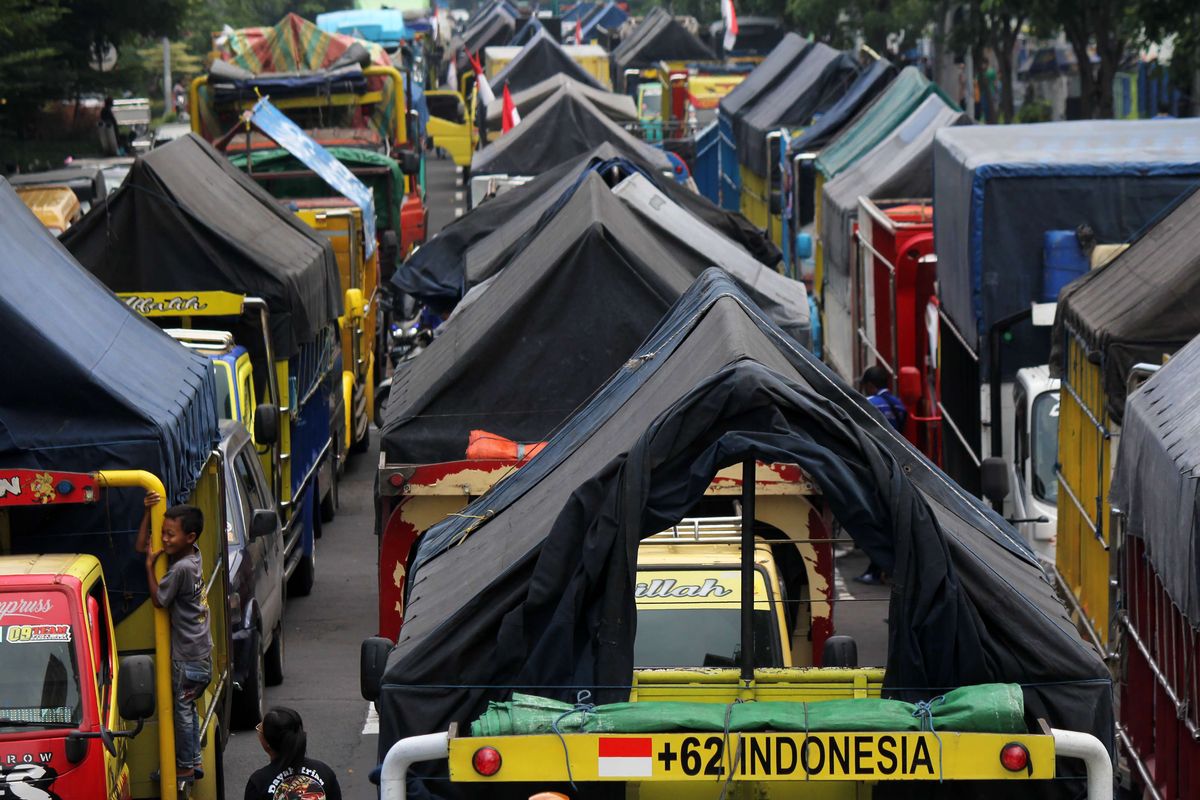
625, 757
484, 88
731, 29
578, 31
511, 117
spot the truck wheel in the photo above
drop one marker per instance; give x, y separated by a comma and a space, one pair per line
305, 576
250, 703
329, 503
274, 658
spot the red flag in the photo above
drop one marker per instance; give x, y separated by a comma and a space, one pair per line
484, 88
510, 117
578, 31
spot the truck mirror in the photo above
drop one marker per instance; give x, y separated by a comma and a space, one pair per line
840, 651
135, 688
371, 662
410, 162
264, 523
266, 424
993, 477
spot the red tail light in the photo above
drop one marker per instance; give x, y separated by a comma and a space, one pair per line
486, 761
1014, 757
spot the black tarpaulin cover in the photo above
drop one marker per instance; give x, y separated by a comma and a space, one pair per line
186, 220
689, 242
620, 108
810, 87
532, 585
1156, 481
551, 327
865, 89
1141, 307
659, 37
436, 272
901, 165
766, 75
542, 58
492, 27
91, 385
564, 126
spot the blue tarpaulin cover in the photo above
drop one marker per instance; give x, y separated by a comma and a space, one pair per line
999, 188
869, 84
91, 384
290, 137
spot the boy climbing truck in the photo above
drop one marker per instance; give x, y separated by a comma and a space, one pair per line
80, 692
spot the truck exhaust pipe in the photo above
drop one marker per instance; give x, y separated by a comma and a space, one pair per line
428, 747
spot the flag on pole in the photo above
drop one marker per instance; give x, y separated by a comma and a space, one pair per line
511, 117
731, 26
578, 31
485, 90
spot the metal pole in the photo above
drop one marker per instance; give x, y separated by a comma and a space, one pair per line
747, 659
168, 95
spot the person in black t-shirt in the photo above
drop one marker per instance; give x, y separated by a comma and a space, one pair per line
290, 775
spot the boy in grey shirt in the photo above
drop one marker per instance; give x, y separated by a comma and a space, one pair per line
181, 591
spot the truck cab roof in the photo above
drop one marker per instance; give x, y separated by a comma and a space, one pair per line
42, 565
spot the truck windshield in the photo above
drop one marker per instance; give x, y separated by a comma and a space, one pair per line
1044, 447
688, 617
39, 675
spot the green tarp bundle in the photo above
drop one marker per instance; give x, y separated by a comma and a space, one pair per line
879, 119
387, 214
986, 708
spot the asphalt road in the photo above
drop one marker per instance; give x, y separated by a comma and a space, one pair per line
325, 629
321, 647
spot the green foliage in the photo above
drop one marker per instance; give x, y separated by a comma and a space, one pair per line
839, 22
1034, 111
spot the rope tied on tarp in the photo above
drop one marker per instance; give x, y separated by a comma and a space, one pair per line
924, 714
582, 706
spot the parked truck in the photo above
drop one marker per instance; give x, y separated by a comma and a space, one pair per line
516, 667
258, 276
92, 423
343, 91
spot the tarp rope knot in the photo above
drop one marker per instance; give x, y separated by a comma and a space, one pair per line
582, 706
924, 713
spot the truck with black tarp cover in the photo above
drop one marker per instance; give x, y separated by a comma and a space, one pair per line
189, 239
579, 287
99, 407
531, 590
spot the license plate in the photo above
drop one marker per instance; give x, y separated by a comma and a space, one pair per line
855, 756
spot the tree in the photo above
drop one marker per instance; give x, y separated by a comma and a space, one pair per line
1110, 25
29, 48
840, 22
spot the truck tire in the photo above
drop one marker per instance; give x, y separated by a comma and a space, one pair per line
329, 502
250, 703
301, 584
274, 658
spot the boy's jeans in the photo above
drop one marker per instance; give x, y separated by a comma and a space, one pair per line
188, 680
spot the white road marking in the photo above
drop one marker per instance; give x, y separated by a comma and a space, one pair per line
458, 197
371, 724
840, 590
458, 212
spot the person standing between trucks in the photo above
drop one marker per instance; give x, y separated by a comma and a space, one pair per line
874, 385
291, 773
181, 592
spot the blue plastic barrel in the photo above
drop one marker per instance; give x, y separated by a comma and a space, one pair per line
1062, 262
